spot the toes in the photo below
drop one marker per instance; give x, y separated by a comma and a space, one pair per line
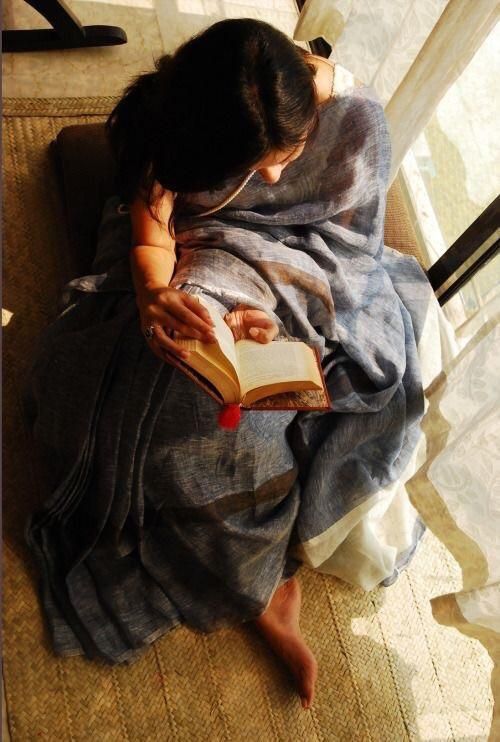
307, 681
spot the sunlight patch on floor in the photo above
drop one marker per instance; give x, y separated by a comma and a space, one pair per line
6, 317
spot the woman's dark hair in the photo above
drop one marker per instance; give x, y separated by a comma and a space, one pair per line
223, 101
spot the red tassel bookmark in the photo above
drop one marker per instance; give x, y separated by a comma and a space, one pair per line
230, 416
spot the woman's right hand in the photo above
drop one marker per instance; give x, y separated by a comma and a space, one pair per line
171, 311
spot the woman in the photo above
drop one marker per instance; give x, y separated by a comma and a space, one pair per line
273, 191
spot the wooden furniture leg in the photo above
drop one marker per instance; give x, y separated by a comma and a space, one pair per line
67, 31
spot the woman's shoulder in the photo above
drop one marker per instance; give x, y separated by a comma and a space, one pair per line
353, 94
355, 120
344, 80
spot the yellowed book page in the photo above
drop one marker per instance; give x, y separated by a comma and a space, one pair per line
221, 354
220, 376
209, 351
223, 334
216, 361
209, 361
261, 364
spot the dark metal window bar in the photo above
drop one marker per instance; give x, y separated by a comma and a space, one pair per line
463, 250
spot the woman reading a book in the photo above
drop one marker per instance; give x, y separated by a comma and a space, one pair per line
252, 176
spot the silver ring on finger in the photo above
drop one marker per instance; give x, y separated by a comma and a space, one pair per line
149, 332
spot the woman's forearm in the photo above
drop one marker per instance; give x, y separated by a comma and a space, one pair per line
163, 308
152, 266
152, 254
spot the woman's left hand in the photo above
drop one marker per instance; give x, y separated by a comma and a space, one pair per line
251, 324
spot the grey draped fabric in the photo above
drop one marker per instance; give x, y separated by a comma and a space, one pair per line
157, 516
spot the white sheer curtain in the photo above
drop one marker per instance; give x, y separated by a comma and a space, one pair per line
410, 51
457, 489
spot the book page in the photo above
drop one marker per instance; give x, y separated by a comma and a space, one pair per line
213, 367
211, 353
271, 363
217, 362
223, 334
221, 354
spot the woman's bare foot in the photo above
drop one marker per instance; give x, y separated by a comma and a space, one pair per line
280, 626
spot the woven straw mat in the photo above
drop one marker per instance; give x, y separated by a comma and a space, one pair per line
387, 670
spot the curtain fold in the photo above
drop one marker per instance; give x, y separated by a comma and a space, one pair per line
409, 51
457, 489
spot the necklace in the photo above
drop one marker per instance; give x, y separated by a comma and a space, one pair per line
231, 195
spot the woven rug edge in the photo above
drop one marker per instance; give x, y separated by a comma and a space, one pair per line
97, 106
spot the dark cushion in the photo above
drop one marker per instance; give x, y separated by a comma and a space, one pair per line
87, 177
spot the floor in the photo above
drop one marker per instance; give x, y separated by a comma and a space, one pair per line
153, 28
5, 728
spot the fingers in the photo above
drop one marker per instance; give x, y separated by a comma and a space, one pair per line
166, 322
164, 342
167, 311
186, 327
234, 320
259, 326
194, 314
251, 323
263, 335
256, 318
179, 311
187, 323
183, 322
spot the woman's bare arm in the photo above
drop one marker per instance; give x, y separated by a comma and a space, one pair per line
153, 249
152, 260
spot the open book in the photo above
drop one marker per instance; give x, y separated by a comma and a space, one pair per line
276, 375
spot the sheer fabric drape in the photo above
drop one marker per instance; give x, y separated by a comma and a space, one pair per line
410, 51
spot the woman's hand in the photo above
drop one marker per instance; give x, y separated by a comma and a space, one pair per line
252, 324
170, 310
